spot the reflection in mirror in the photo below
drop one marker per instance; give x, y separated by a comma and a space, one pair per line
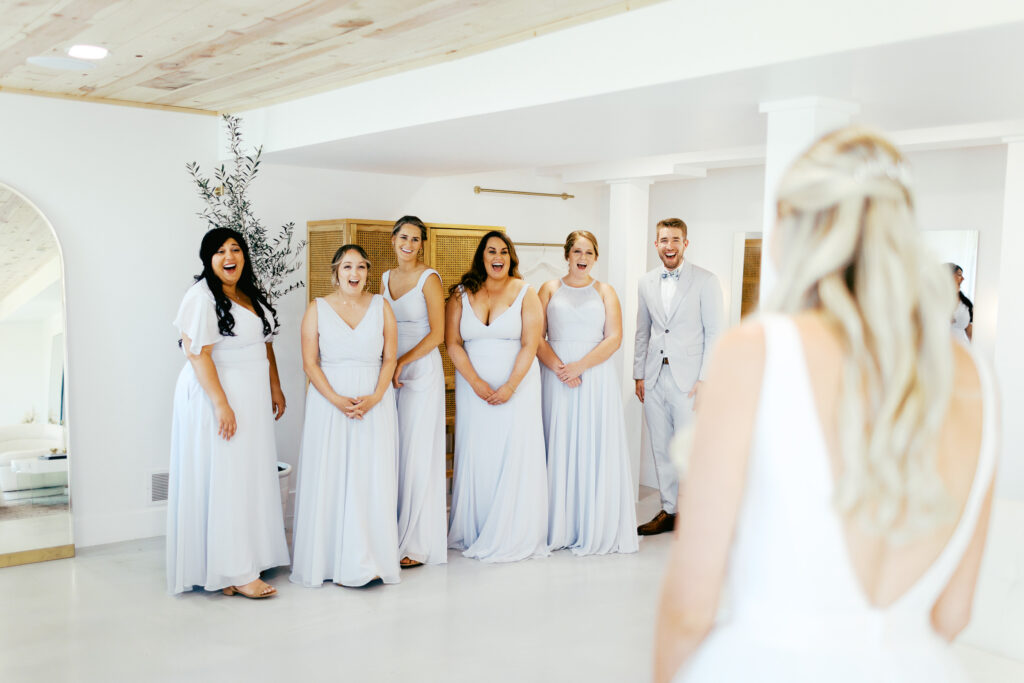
35, 515
959, 247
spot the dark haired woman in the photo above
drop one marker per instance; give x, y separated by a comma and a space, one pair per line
224, 522
492, 328
415, 294
963, 314
590, 487
345, 528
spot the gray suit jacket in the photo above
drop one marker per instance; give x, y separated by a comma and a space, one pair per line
684, 334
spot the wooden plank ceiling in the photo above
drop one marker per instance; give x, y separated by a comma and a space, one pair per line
26, 241
231, 55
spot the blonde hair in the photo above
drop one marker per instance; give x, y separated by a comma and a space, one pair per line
847, 244
575, 235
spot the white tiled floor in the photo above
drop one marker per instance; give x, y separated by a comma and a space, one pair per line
104, 616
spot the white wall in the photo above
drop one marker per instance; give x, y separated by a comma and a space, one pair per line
24, 371
112, 182
957, 189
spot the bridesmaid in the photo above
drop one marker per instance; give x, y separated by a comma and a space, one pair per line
492, 328
415, 294
224, 523
347, 493
590, 488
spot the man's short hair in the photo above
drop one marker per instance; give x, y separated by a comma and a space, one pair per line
671, 223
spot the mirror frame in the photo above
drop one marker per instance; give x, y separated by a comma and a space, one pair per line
58, 552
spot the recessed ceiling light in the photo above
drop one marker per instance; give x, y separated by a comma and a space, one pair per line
88, 51
63, 63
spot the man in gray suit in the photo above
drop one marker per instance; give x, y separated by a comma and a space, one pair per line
678, 319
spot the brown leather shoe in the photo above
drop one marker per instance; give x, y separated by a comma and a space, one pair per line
661, 523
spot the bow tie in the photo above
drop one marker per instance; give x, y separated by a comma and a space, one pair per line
674, 274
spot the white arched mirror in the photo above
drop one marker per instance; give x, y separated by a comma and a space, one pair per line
35, 506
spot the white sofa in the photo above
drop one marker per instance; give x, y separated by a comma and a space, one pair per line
24, 442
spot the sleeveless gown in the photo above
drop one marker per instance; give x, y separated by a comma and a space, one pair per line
422, 507
345, 529
224, 520
961, 319
798, 612
591, 507
499, 502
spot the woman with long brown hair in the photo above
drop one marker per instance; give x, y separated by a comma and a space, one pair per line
492, 329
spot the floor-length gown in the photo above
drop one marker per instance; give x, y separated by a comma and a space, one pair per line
345, 528
961, 319
422, 513
797, 611
224, 521
591, 507
499, 496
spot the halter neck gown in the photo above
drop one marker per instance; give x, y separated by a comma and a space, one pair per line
422, 508
796, 610
591, 507
499, 497
345, 528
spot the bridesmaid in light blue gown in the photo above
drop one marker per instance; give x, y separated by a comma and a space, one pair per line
492, 328
415, 294
590, 487
345, 528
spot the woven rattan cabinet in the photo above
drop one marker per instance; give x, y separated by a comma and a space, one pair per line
449, 250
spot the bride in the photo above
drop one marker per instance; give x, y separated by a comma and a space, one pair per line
841, 472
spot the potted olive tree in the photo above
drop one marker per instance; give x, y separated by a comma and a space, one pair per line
275, 258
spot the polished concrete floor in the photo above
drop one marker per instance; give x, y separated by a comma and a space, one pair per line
104, 616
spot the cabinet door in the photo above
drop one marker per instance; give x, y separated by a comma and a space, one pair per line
325, 238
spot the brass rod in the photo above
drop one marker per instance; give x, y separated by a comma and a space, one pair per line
563, 195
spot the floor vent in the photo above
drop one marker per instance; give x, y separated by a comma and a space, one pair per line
158, 487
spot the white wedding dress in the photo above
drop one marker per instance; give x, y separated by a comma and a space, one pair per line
422, 508
590, 486
499, 496
796, 611
347, 494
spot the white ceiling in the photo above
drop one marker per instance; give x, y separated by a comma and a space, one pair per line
41, 307
955, 79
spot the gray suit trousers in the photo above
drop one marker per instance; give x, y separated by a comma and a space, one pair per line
667, 409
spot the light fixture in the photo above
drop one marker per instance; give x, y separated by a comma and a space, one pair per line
88, 51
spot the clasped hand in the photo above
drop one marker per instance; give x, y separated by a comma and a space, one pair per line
491, 396
569, 373
355, 408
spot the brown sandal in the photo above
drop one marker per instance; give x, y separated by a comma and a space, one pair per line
408, 563
235, 590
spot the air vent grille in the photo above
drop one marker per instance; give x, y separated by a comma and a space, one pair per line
158, 487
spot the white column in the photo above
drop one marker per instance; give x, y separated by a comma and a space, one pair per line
626, 254
792, 126
1009, 368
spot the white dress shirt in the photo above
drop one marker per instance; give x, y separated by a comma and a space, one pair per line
668, 288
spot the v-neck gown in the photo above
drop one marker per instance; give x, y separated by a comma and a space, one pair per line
345, 528
499, 496
224, 521
422, 513
797, 612
590, 486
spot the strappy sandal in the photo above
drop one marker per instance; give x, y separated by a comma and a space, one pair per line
235, 590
